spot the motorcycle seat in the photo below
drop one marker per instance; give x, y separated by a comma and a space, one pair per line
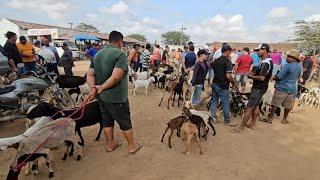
6, 89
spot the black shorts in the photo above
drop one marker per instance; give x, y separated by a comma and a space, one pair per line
255, 98
116, 111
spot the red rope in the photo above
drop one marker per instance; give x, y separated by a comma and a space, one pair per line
81, 108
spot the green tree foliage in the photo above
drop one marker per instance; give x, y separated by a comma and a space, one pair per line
175, 37
307, 35
86, 27
139, 37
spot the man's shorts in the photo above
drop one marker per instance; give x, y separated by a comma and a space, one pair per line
255, 98
241, 78
281, 99
119, 112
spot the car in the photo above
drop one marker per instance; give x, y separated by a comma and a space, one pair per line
4, 66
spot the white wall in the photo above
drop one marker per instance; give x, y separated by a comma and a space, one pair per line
6, 25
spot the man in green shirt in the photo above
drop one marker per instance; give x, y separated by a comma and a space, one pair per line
108, 80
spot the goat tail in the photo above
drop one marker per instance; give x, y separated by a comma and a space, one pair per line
5, 142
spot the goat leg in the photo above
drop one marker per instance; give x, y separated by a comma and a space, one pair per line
67, 147
178, 132
188, 143
164, 133
169, 138
198, 141
174, 97
48, 163
212, 127
100, 130
78, 130
162, 97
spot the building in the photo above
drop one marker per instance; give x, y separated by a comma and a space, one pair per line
34, 30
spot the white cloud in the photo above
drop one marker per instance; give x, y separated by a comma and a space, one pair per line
120, 8
219, 28
55, 9
278, 27
315, 17
279, 14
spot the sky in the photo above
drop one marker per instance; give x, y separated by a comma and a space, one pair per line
205, 20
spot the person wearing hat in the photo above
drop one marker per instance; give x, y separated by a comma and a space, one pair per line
286, 86
242, 67
222, 68
200, 71
27, 53
260, 86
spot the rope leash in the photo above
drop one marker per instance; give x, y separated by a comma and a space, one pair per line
66, 119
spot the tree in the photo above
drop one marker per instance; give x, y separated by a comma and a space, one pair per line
307, 35
139, 37
175, 38
86, 27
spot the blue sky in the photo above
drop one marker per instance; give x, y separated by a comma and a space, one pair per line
206, 20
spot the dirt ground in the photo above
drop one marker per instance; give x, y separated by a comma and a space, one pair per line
272, 152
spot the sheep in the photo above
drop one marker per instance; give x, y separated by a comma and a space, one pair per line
189, 131
91, 116
61, 131
142, 83
174, 124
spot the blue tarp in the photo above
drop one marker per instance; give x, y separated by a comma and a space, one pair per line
82, 37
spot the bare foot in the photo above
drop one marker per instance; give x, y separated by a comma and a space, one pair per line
285, 121
114, 146
236, 130
250, 126
136, 148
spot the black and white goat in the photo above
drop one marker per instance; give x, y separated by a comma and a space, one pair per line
60, 130
91, 116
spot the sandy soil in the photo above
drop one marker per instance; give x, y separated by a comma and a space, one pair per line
271, 152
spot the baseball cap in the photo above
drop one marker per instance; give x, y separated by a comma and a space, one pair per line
202, 51
246, 49
264, 46
225, 48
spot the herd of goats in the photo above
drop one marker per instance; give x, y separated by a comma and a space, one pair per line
49, 126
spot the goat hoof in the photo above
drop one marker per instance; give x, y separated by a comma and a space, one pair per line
64, 157
78, 158
81, 144
201, 152
70, 153
51, 174
97, 139
170, 146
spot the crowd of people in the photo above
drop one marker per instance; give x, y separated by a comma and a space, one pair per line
23, 55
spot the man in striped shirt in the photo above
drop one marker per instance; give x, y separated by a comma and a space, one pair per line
145, 57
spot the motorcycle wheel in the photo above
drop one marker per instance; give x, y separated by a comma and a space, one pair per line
66, 99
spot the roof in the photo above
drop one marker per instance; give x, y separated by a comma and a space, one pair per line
28, 25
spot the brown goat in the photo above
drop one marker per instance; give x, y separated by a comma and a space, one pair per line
174, 124
188, 132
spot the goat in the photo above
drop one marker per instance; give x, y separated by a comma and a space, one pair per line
91, 116
188, 108
174, 124
178, 90
37, 134
189, 131
136, 75
142, 83
198, 121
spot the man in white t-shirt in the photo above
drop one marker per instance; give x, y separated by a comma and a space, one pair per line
53, 66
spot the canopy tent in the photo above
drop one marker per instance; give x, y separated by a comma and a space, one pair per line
83, 37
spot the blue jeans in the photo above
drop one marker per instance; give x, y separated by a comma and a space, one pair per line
30, 66
196, 98
223, 94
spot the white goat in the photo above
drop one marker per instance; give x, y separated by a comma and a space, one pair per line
37, 134
142, 83
137, 75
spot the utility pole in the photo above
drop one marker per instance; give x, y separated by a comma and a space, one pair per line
70, 25
182, 29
